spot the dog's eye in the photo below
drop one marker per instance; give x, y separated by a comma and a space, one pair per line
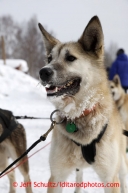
112, 86
70, 58
49, 58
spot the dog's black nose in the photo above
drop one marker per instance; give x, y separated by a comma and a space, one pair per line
45, 73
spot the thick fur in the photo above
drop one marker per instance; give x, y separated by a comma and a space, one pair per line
121, 99
65, 155
14, 146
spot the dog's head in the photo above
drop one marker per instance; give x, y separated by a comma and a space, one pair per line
74, 69
116, 88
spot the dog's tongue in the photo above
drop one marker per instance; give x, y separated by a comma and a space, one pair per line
51, 89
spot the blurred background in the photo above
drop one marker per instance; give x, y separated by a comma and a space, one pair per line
21, 39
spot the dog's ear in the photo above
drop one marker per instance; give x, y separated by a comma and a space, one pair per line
116, 80
92, 37
49, 40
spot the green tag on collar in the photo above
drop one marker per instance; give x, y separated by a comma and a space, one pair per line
71, 127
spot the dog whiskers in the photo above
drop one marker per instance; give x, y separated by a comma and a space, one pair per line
38, 84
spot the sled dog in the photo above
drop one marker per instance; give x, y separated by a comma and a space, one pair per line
121, 99
13, 146
91, 131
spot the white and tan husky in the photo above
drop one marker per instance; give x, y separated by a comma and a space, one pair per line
91, 133
121, 100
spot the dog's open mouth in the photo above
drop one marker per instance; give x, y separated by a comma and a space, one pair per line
70, 88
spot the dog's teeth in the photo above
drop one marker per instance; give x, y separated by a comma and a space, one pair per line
69, 84
56, 89
48, 86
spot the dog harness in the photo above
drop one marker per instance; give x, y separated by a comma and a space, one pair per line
89, 150
8, 122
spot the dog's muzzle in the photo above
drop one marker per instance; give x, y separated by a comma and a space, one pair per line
54, 88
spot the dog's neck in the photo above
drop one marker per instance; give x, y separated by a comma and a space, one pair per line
87, 123
87, 111
84, 113
73, 107
120, 101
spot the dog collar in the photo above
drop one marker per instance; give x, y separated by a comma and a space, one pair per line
71, 126
87, 111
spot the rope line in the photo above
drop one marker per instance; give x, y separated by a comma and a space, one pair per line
25, 160
26, 117
42, 138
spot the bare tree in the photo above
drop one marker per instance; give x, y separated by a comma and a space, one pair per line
29, 46
8, 29
24, 41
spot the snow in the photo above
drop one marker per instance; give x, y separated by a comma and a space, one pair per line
24, 95
14, 63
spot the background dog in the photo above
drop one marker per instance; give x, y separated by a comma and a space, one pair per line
76, 83
121, 99
14, 146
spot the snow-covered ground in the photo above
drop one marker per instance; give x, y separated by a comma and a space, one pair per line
16, 63
24, 95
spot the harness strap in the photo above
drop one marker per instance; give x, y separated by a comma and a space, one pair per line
125, 132
8, 123
120, 107
6, 116
89, 150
